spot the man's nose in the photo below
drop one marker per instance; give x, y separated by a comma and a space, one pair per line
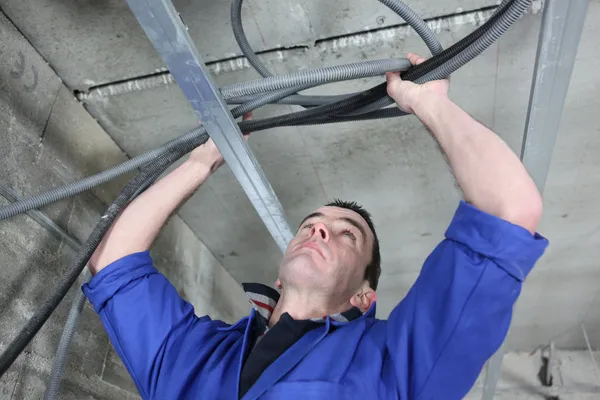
321, 230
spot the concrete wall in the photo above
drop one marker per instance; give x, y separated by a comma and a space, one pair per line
48, 139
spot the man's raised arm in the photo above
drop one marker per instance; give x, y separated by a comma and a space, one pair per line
140, 223
155, 332
490, 175
458, 311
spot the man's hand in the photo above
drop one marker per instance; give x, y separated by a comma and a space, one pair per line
208, 153
406, 93
140, 223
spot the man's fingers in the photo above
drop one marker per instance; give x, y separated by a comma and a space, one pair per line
247, 117
415, 59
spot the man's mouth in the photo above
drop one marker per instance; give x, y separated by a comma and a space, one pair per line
314, 246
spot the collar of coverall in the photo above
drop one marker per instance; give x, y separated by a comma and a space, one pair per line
264, 298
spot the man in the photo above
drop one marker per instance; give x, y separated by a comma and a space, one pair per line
318, 338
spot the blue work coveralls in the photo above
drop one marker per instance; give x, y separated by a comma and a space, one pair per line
433, 345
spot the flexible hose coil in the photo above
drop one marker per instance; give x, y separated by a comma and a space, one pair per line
397, 6
155, 162
80, 186
411, 74
240, 37
415, 22
508, 13
513, 12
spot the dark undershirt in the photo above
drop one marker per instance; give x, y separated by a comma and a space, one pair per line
274, 343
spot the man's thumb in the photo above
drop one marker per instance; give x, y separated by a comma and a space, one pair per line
393, 77
393, 84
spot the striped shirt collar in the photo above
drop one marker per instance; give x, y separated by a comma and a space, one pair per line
264, 298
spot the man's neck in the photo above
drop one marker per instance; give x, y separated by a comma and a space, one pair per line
305, 306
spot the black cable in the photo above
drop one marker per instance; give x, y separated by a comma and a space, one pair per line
429, 65
375, 93
332, 111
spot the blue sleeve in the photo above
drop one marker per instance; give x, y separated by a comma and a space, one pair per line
144, 316
458, 312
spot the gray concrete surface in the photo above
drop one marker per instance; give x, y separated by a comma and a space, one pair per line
573, 377
49, 139
90, 43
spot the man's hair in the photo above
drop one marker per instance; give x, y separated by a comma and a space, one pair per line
373, 270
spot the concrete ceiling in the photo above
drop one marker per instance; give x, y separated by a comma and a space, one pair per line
393, 167
91, 43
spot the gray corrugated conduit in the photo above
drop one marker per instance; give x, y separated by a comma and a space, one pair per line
364, 105
397, 6
317, 76
62, 352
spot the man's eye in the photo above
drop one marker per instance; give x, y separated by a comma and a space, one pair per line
350, 235
307, 226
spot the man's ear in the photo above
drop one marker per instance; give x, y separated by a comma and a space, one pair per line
364, 298
278, 284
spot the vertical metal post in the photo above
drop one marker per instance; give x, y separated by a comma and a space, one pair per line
551, 352
168, 34
492, 374
562, 24
591, 350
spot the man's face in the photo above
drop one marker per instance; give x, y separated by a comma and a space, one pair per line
329, 252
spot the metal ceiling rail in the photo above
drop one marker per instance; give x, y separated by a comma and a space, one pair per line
562, 25
168, 34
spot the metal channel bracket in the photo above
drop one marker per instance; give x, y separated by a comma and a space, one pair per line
562, 24
168, 34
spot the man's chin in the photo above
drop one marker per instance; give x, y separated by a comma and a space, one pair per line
304, 264
307, 259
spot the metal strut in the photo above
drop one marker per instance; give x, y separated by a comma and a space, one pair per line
562, 24
169, 36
